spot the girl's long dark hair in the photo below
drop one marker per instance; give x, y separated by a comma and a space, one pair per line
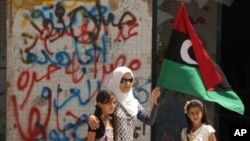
104, 96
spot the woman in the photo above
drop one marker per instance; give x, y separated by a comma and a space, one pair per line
128, 108
198, 127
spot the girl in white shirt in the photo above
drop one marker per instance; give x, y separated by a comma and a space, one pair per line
198, 127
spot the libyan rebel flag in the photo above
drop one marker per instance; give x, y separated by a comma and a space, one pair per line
187, 68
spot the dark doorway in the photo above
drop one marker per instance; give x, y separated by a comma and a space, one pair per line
235, 61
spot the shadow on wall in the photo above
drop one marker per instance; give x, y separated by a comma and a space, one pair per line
3, 85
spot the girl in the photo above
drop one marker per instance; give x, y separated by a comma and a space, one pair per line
106, 103
198, 127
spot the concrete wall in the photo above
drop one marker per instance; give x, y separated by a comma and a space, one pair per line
60, 53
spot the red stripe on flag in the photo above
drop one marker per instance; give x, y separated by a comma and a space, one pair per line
210, 75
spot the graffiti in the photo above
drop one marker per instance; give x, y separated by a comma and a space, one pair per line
77, 24
200, 20
65, 52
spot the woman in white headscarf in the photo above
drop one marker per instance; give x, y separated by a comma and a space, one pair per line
128, 108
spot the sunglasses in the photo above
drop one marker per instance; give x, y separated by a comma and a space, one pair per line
123, 80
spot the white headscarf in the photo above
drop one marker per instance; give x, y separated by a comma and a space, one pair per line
127, 100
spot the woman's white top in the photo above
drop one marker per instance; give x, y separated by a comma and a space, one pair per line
201, 134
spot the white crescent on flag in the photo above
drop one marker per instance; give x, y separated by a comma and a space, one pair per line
184, 52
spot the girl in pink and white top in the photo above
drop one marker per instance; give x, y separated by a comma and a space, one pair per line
198, 127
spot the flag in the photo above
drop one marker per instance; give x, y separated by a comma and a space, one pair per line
187, 68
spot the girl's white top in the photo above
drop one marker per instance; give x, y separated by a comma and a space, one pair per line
201, 134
